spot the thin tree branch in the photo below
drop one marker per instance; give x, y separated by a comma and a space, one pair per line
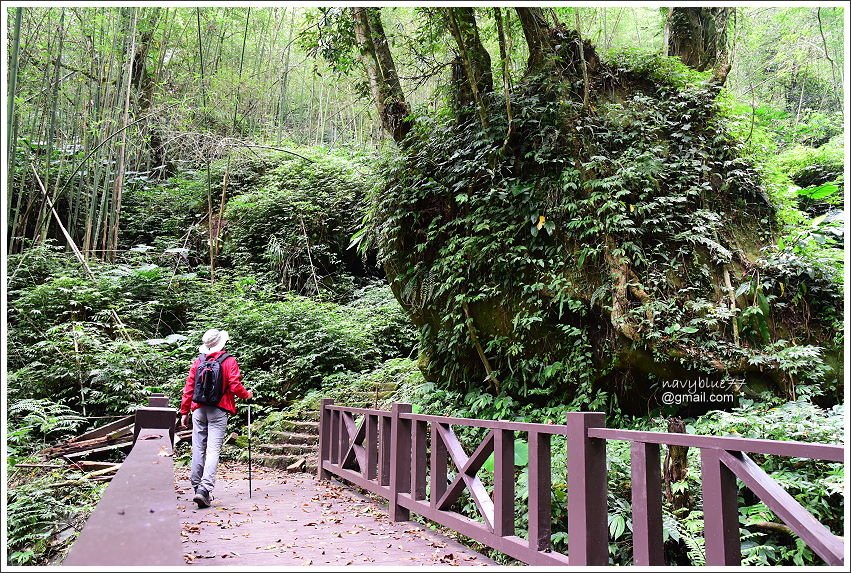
826, 55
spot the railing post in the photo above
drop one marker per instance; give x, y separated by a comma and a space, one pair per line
334, 435
419, 461
400, 460
540, 491
384, 433
156, 417
646, 505
439, 460
371, 441
720, 510
587, 527
324, 438
503, 489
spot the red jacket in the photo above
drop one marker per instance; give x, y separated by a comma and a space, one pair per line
231, 383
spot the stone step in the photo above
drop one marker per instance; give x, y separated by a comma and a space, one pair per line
294, 438
300, 426
371, 393
289, 449
282, 462
309, 416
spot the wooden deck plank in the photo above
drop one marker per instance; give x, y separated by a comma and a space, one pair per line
293, 519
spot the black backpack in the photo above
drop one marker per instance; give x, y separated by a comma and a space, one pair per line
208, 380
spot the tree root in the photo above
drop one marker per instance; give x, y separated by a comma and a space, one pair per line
479, 350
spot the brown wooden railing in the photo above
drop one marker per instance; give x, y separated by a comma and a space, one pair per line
396, 454
136, 521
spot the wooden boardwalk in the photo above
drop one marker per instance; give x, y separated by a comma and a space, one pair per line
296, 520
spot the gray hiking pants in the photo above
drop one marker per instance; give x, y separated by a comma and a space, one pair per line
208, 432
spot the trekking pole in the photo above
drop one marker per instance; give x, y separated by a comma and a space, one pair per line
249, 450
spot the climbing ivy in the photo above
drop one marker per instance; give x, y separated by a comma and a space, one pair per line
595, 249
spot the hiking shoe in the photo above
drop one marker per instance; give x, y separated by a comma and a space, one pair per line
202, 498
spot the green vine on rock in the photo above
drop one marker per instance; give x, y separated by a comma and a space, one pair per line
644, 216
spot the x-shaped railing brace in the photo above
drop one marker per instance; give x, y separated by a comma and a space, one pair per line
466, 477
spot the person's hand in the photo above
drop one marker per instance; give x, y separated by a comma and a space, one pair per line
184, 421
250, 395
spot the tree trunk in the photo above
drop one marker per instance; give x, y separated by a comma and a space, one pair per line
537, 33
698, 36
506, 72
475, 63
144, 83
676, 467
381, 71
284, 110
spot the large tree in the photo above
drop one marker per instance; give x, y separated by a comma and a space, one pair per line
381, 71
698, 36
604, 239
471, 70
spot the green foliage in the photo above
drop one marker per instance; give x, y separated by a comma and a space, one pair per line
332, 39
294, 228
33, 421
393, 333
42, 519
287, 347
523, 248
154, 212
818, 174
663, 70
65, 343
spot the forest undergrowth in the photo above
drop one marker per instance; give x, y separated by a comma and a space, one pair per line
471, 270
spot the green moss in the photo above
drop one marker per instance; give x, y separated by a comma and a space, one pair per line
662, 70
515, 252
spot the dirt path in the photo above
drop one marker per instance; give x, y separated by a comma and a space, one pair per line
293, 519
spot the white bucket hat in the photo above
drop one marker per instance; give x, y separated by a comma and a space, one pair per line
213, 341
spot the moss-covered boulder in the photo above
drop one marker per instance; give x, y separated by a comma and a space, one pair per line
602, 243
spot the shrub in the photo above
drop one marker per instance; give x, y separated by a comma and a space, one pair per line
295, 227
287, 347
42, 519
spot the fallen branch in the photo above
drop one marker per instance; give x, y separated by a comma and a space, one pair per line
120, 437
99, 475
773, 527
479, 350
120, 445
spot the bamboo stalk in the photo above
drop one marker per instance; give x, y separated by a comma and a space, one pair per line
121, 326
11, 119
118, 186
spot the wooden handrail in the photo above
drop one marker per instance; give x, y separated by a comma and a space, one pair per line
387, 453
827, 452
136, 521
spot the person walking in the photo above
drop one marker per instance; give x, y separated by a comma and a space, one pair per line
210, 393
